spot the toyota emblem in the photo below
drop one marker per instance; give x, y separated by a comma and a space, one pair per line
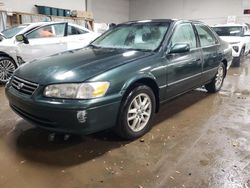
20, 86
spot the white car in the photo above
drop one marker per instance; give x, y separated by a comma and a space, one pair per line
27, 42
238, 36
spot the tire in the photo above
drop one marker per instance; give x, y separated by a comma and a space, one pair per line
239, 59
135, 117
217, 82
236, 61
7, 68
242, 52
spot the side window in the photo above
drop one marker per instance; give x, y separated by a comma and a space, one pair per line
206, 36
184, 33
55, 30
75, 31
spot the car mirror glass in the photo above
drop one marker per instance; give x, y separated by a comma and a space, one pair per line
1, 37
22, 38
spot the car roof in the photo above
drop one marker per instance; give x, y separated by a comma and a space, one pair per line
230, 25
160, 21
49, 23
38, 24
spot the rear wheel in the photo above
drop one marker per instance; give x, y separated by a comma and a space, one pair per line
7, 68
136, 113
217, 82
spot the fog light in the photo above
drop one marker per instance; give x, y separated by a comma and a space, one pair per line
236, 48
82, 116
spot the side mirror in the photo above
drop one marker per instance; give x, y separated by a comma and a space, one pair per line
247, 34
22, 38
112, 25
1, 37
180, 48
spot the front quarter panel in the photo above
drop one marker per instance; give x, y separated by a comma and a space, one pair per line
9, 47
122, 77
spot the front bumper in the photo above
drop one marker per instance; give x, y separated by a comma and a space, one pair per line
68, 116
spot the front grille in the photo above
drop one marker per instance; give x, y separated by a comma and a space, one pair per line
24, 86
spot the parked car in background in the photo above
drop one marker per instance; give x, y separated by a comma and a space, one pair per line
238, 36
27, 42
120, 80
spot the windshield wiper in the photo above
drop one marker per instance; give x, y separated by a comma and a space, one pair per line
116, 48
138, 49
93, 46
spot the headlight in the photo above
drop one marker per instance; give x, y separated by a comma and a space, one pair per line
77, 91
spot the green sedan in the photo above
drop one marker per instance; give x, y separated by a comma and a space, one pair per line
121, 79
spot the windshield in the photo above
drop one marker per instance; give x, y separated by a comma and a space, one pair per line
139, 36
229, 31
9, 33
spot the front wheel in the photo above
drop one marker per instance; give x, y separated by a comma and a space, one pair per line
7, 68
239, 59
217, 82
136, 113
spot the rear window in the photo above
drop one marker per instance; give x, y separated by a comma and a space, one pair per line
75, 31
229, 31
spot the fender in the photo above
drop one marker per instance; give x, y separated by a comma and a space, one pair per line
136, 78
10, 56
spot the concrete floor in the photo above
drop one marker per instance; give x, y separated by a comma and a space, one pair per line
199, 140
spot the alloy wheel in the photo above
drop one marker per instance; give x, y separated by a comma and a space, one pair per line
7, 68
219, 77
139, 112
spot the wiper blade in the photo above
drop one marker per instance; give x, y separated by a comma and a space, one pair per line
93, 46
104, 47
141, 50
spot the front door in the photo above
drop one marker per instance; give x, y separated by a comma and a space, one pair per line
44, 41
183, 69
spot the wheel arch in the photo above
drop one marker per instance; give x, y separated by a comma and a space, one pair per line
3, 54
224, 61
148, 80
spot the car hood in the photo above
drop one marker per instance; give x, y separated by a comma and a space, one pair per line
7, 42
76, 65
232, 39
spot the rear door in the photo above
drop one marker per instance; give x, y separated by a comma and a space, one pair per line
210, 46
43, 41
183, 69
